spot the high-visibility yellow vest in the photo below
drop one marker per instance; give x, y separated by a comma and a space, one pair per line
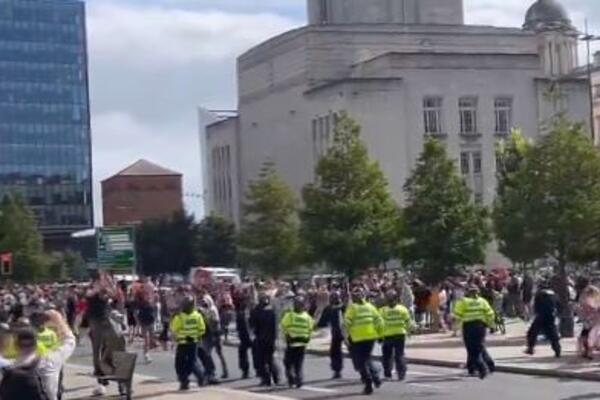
11, 351
396, 320
470, 309
297, 327
363, 322
186, 326
49, 339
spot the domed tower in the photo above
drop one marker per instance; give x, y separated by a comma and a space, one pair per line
557, 36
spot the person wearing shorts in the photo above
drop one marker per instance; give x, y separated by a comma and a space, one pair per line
147, 318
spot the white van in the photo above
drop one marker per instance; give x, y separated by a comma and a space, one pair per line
202, 276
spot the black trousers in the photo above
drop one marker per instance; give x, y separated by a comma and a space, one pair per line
294, 363
393, 352
336, 354
547, 326
186, 363
361, 356
474, 337
266, 366
243, 360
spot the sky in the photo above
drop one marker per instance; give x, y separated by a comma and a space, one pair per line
154, 62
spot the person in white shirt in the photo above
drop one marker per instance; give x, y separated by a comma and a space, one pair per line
51, 363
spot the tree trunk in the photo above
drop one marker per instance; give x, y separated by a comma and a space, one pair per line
567, 323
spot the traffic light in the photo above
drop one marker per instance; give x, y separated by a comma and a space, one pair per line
6, 264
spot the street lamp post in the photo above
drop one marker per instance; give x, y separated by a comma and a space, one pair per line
588, 39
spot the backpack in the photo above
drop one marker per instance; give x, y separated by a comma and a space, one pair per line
23, 382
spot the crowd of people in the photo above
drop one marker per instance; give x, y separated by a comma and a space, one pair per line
41, 324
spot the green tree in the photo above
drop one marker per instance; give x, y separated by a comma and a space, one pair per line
269, 241
167, 246
74, 265
349, 220
560, 188
66, 265
445, 230
510, 212
217, 241
19, 235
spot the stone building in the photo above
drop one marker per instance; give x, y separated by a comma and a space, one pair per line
584, 73
141, 192
405, 70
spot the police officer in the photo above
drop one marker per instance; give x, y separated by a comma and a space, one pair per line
544, 307
263, 322
46, 336
364, 326
48, 339
333, 316
297, 326
189, 328
475, 314
245, 337
397, 323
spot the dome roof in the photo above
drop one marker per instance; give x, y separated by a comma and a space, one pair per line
546, 14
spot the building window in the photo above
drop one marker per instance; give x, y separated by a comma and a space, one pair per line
432, 115
322, 134
464, 163
471, 167
470, 162
476, 162
597, 91
222, 180
503, 111
467, 107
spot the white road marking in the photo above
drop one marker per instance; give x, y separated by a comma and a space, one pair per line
258, 396
425, 386
318, 389
416, 373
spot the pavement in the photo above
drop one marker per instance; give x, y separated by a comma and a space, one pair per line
156, 381
444, 350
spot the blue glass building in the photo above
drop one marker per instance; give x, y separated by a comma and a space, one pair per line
45, 143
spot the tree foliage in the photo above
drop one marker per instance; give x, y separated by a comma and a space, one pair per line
558, 189
67, 265
269, 239
167, 246
19, 235
217, 241
350, 220
510, 211
444, 229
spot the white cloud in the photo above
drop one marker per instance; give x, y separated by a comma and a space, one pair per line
125, 140
153, 61
154, 37
150, 67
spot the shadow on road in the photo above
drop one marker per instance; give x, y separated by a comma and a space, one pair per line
587, 396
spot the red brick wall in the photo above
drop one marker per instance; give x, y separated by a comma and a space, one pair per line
130, 200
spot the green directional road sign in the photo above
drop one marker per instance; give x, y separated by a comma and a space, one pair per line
116, 249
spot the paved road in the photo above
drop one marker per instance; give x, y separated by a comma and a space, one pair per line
422, 383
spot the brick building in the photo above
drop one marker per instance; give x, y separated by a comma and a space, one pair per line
141, 192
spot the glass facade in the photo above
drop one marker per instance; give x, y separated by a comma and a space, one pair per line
45, 149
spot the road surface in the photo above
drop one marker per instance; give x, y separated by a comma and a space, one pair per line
421, 383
